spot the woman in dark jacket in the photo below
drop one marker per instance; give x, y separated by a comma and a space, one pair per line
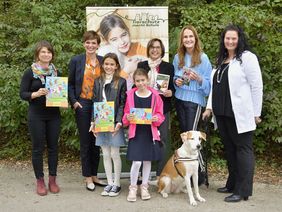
155, 65
83, 70
43, 122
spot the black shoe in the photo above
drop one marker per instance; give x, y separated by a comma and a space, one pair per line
115, 191
234, 198
224, 190
100, 183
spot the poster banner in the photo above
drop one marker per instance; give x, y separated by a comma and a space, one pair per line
126, 32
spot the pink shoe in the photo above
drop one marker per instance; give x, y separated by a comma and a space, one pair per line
131, 197
145, 195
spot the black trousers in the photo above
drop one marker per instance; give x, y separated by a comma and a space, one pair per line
164, 133
239, 154
89, 153
44, 132
188, 114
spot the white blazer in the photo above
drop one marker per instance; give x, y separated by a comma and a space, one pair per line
245, 84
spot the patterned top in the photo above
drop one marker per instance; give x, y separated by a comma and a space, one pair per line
90, 74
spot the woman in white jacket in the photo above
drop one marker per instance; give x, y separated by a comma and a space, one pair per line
235, 101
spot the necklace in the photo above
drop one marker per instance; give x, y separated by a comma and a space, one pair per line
220, 73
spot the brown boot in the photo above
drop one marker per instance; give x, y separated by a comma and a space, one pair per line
53, 187
41, 188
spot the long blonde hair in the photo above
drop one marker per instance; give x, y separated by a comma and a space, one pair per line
196, 55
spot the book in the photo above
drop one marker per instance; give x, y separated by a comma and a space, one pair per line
186, 75
161, 84
58, 91
104, 115
141, 115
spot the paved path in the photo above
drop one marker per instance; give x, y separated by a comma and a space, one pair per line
17, 193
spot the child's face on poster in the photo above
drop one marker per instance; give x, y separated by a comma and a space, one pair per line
120, 38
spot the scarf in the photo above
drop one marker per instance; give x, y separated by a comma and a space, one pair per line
153, 70
39, 72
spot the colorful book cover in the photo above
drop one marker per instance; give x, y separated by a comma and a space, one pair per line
186, 75
162, 82
104, 115
58, 91
141, 115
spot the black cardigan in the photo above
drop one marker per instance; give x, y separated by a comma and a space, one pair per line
168, 69
37, 106
76, 74
118, 95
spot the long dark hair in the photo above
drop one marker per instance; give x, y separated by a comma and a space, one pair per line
242, 44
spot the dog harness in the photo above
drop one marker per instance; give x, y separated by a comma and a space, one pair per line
177, 159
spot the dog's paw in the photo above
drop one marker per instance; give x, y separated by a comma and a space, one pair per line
184, 191
201, 199
165, 195
193, 202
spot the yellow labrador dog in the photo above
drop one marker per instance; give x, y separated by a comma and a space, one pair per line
177, 172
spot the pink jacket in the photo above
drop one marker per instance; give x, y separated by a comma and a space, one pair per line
157, 110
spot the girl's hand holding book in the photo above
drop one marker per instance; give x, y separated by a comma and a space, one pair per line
130, 117
155, 118
118, 126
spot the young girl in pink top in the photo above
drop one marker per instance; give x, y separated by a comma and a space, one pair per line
143, 145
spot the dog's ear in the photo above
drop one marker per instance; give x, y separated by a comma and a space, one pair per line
190, 135
183, 136
203, 136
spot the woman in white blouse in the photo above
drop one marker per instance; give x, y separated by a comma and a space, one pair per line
235, 101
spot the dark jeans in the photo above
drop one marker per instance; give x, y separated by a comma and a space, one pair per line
239, 155
89, 153
164, 133
42, 131
188, 114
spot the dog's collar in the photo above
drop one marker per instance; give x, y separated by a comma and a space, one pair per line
182, 159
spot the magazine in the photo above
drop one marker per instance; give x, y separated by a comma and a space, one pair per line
162, 82
141, 115
104, 115
58, 91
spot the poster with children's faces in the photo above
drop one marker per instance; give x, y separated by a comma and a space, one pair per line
126, 32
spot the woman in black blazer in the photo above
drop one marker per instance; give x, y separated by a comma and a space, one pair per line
154, 65
83, 70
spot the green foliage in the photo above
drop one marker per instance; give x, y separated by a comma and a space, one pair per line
262, 24
62, 22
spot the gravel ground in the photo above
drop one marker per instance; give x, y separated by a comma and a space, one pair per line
17, 193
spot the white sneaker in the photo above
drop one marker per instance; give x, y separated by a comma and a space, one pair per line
131, 197
145, 195
107, 190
